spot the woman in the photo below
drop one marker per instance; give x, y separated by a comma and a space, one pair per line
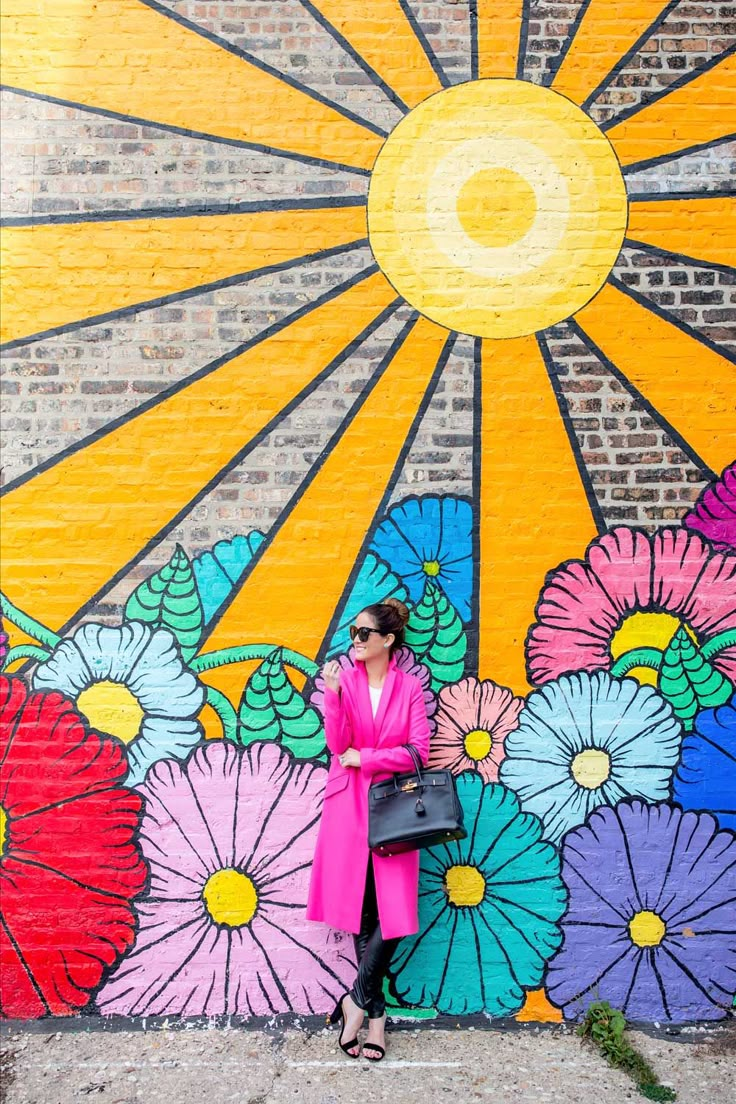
371, 713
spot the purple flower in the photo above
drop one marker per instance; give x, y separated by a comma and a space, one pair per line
4, 638
714, 514
651, 923
405, 661
229, 836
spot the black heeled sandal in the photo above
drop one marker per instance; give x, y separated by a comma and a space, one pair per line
374, 1046
338, 1017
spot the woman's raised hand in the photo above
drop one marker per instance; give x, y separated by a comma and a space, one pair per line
331, 675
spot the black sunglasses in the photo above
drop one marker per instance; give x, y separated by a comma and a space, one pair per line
362, 633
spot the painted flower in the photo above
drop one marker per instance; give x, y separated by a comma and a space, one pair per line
473, 720
632, 591
405, 661
69, 863
375, 583
489, 908
651, 925
229, 836
129, 681
430, 538
714, 514
589, 740
706, 776
4, 641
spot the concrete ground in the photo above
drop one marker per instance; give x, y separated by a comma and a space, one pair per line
216, 1065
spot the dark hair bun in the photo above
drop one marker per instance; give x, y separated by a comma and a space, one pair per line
400, 608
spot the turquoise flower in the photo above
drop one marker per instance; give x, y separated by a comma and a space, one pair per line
489, 907
131, 683
589, 740
218, 571
375, 583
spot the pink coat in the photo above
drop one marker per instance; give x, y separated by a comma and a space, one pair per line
341, 855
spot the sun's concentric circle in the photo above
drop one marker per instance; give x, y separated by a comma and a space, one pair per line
497, 208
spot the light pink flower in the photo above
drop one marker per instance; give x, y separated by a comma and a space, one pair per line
473, 720
714, 514
405, 661
229, 836
624, 572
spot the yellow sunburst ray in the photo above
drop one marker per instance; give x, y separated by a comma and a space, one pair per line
75, 525
291, 594
126, 57
383, 36
700, 227
607, 31
54, 275
498, 29
534, 510
690, 384
692, 114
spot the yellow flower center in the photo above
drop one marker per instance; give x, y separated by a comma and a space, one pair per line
645, 630
496, 207
3, 829
465, 886
431, 567
230, 897
111, 707
477, 744
591, 768
647, 929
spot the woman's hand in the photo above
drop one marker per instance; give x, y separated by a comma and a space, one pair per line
331, 675
350, 758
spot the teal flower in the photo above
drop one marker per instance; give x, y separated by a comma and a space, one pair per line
489, 907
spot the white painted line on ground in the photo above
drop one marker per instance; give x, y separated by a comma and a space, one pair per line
394, 1063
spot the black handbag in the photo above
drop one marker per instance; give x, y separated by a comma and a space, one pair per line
414, 810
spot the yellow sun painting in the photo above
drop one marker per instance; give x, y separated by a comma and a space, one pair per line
495, 208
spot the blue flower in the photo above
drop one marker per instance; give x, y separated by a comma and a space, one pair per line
489, 908
706, 777
217, 572
431, 538
130, 682
588, 740
375, 583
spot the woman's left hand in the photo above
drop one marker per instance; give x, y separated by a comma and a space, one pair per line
350, 758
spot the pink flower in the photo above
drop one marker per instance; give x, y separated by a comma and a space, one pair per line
405, 661
473, 720
590, 612
229, 836
714, 514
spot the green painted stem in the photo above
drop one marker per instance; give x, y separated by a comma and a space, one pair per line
244, 652
637, 657
717, 643
224, 710
25, 651
28, 624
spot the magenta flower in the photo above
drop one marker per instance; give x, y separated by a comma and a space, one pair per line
405, 661
714, 514
229, 837
473, 720
632, 591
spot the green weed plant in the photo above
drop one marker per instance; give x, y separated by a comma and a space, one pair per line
606, 1028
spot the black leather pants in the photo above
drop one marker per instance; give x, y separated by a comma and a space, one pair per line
374, 953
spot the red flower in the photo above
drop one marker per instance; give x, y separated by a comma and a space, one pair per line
69, 862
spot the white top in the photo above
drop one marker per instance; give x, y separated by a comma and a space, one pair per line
375, 693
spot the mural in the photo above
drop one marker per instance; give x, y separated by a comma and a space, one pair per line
161, 778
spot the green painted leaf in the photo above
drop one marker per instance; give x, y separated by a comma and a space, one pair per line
436, 636
169, 598
689, 682
272, 709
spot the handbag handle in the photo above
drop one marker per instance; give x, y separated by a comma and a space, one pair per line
416, 760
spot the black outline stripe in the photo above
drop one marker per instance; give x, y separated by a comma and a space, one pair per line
675, 155
523, 38
180, 385
177, 296
359, 60
244, 207
655, 197
556, 385
162, 533
681, 258
474, 44
257, 63
646, 406
473, 630
235, 143
391, 482
624, 60
663, 93
424, 43
551, 74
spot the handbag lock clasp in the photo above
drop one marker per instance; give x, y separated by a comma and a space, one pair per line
408, 786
